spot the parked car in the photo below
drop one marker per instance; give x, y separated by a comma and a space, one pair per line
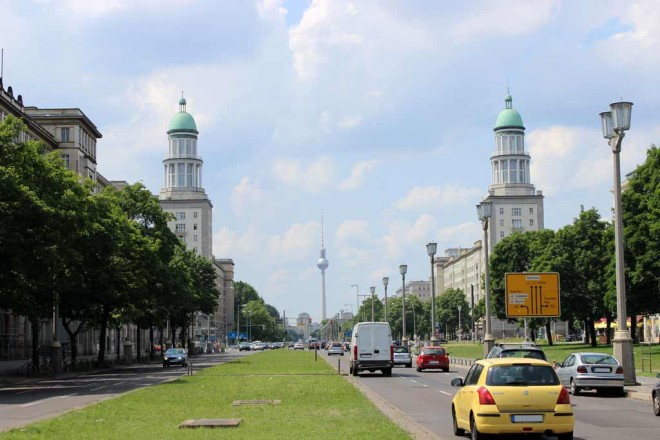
371, 348
335, 348
591, 371
347, 346
244, 346
512, 396
175, 356
655, 396
258, 345
524, 350
299, 346
433, 357
402, 357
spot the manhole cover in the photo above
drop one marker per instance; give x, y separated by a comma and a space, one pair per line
210, 423
256, 402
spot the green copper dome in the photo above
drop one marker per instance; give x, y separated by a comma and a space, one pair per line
509, 117
182, 121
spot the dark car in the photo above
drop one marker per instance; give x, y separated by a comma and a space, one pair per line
517, 350
655, 395
175, 356
244, 346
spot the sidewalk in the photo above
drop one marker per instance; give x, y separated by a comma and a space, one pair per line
642, 391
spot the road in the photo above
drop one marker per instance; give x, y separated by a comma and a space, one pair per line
32, 401
426, 398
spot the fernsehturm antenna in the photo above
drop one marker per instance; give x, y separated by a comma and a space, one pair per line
323, 265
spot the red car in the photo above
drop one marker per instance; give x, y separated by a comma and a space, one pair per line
433, 357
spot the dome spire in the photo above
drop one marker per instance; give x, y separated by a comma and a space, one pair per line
182, 103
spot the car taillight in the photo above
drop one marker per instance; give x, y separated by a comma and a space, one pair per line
619, 370
582, 370
392, 353
355, 352
563, 398
485, 398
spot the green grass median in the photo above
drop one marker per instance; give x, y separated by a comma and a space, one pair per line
315, 403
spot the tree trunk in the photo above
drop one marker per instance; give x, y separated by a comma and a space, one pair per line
73, 337
34, 324
102, 337
585, 326
118, 331
138, 342
548, 331
592, 330
633, 327
608, 328
151, 341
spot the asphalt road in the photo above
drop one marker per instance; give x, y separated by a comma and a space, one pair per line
426, 398
29, 402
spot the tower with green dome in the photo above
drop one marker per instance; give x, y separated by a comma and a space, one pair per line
517, 205
182, 193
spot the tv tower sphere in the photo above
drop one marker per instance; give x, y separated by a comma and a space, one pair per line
323, 262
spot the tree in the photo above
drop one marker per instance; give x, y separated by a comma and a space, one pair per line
448, 314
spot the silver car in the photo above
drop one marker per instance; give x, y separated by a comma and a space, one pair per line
591, 371
402, 357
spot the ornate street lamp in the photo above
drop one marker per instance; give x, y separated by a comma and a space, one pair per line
484, 211
385, 281
430, 250
403, 269
615, 123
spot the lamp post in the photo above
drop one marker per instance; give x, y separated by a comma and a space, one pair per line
412, 305
615, 123
372, 289
403, 269
55, 346
460, 331
386, 280
430, 250
357, 295
484, 210
364, 313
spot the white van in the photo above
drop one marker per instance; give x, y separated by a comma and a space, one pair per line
371, 348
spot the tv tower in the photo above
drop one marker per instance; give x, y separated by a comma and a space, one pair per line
323, 265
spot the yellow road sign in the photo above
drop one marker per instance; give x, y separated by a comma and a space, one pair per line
532, 295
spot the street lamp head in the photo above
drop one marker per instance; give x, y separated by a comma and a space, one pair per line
621, 115
372, 289
385, 281
431, 249
606, 120
459, 308
403, 269
484, 210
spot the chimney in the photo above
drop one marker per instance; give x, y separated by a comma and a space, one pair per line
10, 91
20, 100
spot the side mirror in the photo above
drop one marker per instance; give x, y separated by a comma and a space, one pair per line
457, 382
447, 354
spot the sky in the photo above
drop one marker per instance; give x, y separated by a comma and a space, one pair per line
377, 113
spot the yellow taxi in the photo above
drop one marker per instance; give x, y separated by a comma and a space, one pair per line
512, 396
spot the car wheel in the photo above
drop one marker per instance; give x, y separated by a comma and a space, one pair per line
387, 372
355, 370
458, 432
565, 436
446, 370
656, 404
575, 390
342, 354
163, 365
418, 368
409, 365
474, 432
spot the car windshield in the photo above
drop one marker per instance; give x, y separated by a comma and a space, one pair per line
173, 351
598, 359
434, 351
522, 353
523, 375
336, 344
400, 350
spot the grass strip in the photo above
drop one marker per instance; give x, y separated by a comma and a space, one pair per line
314, 404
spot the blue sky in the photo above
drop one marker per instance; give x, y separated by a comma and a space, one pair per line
380, 113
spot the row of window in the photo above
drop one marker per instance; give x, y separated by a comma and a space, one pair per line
181, 227
510, 171
181, 215
183, 147
517, 223
510, 143
183, 175
517, 211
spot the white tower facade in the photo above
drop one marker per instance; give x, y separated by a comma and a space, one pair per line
323, 265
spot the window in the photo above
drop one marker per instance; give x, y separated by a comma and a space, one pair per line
65, 158
516, 223
195, 238
195, 214
516, 211
180, 228
501, 234
195, 225
531, 210
501, 222
473, 375
501, 211
180, 215
531, 222
64, 134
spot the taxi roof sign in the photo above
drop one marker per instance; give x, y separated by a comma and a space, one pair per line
532, 295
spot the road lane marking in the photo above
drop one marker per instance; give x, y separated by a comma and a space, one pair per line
27, 391
37, 402
94, 389
68, 395
117, 384
444, 392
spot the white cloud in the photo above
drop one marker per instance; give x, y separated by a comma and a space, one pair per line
353, 242
316, 176
246, 196
401, 234
295, 244
228, 243
271, 9
432, 197
358, 174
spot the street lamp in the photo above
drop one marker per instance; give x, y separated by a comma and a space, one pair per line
412, 305
357, 295
372, 289
615, 123
403, 269
460, 331
484, 211
430, 250
385, 281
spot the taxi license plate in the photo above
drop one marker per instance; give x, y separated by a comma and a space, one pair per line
434, 362
527, 418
